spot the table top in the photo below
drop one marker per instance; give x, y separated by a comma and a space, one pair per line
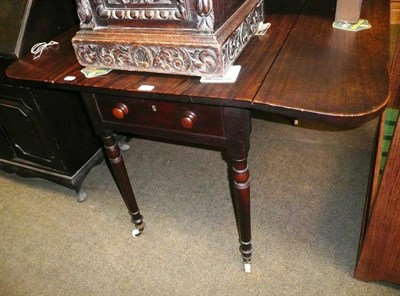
302, 68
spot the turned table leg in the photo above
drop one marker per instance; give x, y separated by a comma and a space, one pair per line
117, 164
241, 194
121, 177
237, 123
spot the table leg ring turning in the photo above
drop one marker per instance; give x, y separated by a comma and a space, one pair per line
246, 250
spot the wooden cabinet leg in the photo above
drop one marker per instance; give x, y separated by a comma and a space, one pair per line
121, 178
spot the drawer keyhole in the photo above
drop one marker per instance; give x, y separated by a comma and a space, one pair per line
120, 111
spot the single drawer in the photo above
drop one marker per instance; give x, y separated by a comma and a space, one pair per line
161, 115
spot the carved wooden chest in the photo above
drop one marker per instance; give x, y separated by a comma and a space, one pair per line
185, 37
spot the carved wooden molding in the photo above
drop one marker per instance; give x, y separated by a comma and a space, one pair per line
184, 59
178, 60
160, 10
205, 15
85, 14
241, 36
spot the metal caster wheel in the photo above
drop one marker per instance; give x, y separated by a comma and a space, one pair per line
247, 267
123, 146
123, 142
81, 196
138, 230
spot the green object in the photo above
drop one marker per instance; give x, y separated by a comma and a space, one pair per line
91, 72
360, 25
392, 116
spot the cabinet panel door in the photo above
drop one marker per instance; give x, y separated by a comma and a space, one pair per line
24, 130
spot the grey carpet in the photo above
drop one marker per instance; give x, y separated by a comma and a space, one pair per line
308, 191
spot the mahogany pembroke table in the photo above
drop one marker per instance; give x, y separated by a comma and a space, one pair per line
301, 68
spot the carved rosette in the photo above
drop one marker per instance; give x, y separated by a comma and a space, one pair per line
185, 61
241, 36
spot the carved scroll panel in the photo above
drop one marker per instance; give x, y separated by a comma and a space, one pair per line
185, 59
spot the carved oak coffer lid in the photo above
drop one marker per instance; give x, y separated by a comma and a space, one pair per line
185, 37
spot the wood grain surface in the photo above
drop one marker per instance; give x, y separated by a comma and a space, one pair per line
379, 253
301, 68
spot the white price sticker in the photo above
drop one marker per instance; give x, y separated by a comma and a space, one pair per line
230, 76
145, 87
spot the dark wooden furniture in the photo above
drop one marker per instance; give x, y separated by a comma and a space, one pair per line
380, 241
302, 68
186, 37
41, 129
380, 245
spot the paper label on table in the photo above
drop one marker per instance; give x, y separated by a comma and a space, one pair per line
91, 72
262, 28
360, 25
230, 76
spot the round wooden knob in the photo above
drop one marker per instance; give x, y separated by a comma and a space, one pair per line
188, 119
120, 111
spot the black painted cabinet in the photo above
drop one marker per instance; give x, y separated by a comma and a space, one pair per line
43, 133
24, 129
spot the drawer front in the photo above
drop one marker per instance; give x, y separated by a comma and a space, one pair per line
161, 115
